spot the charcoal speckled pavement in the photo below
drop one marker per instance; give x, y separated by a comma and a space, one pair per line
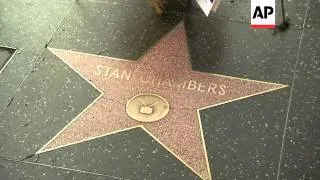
97, 89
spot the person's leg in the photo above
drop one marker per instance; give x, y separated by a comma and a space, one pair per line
158, 5
161, 5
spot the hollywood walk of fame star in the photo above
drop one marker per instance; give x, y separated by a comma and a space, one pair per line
165, 72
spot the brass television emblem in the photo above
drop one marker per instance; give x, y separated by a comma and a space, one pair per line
147, 107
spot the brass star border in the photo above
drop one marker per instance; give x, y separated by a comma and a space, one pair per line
163, 70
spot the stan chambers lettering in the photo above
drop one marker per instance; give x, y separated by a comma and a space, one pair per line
158, 80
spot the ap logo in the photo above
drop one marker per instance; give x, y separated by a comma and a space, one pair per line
263, 14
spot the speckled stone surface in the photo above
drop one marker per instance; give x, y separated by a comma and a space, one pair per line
301, 154
233, 49
105, 29
132, 154
313, 17
5, 54
50, 96
240, 11
13, 170
26, 26
245, 140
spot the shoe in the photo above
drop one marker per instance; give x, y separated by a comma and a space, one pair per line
160, 6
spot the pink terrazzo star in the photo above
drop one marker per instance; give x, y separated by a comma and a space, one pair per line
164, 70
